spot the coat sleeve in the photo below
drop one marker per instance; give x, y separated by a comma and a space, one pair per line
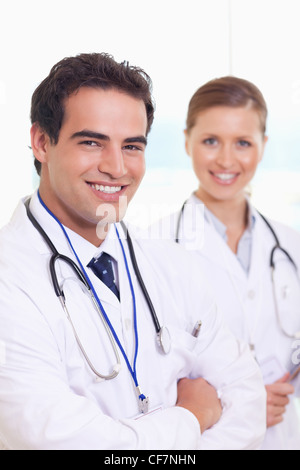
39, 410
238, 380
290, 241
217, 356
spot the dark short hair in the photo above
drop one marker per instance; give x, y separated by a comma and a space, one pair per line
227, 91
96, 70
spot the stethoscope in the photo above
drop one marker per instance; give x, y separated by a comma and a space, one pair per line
162, 332
277, 247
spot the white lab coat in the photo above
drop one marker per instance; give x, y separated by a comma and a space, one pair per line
49, 398
254, 321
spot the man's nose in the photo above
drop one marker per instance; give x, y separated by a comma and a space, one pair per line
112, 162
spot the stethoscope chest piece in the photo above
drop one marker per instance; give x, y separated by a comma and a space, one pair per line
164, 339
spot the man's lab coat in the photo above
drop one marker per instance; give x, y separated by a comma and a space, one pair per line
50, 398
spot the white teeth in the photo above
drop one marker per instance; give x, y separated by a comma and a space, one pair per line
106, 189
225, 176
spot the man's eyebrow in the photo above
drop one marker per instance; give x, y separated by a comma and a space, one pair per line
90, 135
139, 139
96, 135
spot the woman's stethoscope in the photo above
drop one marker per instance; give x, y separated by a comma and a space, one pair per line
162, 333
277, 247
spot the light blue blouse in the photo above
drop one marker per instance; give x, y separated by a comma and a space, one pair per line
245, 244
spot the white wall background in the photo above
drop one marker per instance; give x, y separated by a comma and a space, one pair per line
181, 44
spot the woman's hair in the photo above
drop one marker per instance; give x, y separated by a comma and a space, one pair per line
85, 70
227, 91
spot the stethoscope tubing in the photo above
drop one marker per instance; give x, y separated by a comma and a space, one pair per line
82, 275
276, 247
60, 294
140, 279
271, 262
56, 256
162, 333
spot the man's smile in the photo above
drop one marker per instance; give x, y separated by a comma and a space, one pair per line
107, 192
106, 189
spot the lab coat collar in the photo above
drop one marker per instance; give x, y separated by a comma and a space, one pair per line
84, 249
211, 248
209, 240
219, 226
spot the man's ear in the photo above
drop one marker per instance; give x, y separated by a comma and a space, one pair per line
40, 142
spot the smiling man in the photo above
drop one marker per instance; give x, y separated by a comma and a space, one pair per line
98, 158
126, 369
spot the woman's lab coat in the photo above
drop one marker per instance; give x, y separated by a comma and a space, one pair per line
248, 301
49, 398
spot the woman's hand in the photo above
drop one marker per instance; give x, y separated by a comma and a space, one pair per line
277, 400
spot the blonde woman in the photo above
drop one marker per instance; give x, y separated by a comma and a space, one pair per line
226, 138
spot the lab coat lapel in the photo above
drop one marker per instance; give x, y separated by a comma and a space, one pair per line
199, 235
261, 249
106, 296
217, 252
57, 237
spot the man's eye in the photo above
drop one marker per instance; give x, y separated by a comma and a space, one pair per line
89, 143
133, 147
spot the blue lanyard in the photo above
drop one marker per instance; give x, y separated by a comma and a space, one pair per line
143, 401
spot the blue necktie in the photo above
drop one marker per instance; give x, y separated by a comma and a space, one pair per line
102, 268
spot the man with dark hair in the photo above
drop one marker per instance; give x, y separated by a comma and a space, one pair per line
86, 70
109, 342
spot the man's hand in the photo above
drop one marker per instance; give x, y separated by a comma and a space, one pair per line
201, 399
277, 400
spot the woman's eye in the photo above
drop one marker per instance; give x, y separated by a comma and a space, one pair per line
210, 141
244, 143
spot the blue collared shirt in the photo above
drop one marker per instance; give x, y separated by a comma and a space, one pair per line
245, 244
